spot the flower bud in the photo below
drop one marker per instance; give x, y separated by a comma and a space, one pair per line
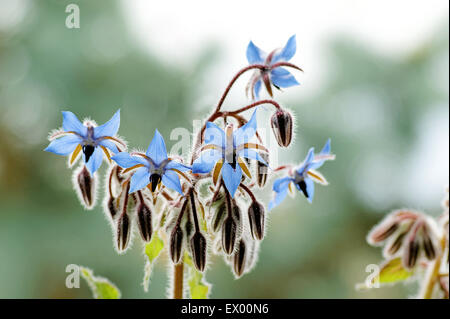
395, 245
256, 218
382, 231
176, 244
281, 123
198, 248
111, 207
262, 170
219, 216
144, 219
123, 232
429, 246
229, 234
239, 258
85, 186
411, 253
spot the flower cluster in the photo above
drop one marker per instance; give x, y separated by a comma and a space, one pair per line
417, 244
204, 205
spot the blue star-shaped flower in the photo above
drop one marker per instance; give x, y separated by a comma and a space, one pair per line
278, 76
303, 177
152, 167
223, 151
93, 141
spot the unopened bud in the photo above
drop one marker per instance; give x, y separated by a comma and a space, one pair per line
176, 244
229, 234
198, 248
256, 218
144, 219
123, 232
281, 123
239, 258
428, 246
262, 170
382, 231
219, 216
85, 185
411, 254
111, 206
395, 245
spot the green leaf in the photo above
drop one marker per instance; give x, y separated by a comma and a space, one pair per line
101, 287
393, 271
198, 287
152, 250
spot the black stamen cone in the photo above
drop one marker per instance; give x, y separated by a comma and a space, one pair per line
88, 150
198, 248
155, 179
302, 186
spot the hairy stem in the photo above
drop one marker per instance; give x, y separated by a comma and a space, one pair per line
178, 281
432, 275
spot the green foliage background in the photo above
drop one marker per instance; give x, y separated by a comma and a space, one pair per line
311, 251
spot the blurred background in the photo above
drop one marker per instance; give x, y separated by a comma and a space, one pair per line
375, 81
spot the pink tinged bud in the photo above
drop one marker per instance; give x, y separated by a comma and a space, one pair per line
198, 249
382, 231
281, 123
411, 253
256, 217
240, 258
262, 170
144, 219
394, 246
86, 187
176, 244
429, 246
123, 232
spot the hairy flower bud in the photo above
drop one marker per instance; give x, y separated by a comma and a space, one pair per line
382, 231
262, 170
281, 123
411, 254
256, 218
229, 234
239, 258
176, 244
218, 217
395, 245
85, 186
198, 248
123, 232
111, 206
144, 219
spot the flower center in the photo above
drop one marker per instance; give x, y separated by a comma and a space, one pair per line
155, 179
88, 150
300, 181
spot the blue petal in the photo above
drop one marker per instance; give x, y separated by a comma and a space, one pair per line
140, 179
287, 52
95, 161
64, 145
214, 135
307, 162
252, 154
257, 89
206, 161
279, 197
72, 124
157, 148
171, 180
254, 54
110, 145
125, 160
309, 189
283, 78
246, 132
178, 166
325, 151
281, 184
110, 128
327, 148
231, 177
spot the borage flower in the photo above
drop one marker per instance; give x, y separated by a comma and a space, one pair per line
153, 167
94, 141
273, 73
224, 152
303, 177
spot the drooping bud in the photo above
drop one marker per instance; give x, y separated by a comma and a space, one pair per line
429, 246
198, 248
395, 245
229, 234
111, 206
239, 258
256, 218
123, 232
219, 216
176, 244
411, 253
262, 170
85, 185
144, 219
383, 230
281, 123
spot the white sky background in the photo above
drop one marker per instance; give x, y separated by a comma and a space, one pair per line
178, 31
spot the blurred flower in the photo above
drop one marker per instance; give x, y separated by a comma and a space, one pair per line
271, 74
223, 151
303, 177
152, 167
92, 140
